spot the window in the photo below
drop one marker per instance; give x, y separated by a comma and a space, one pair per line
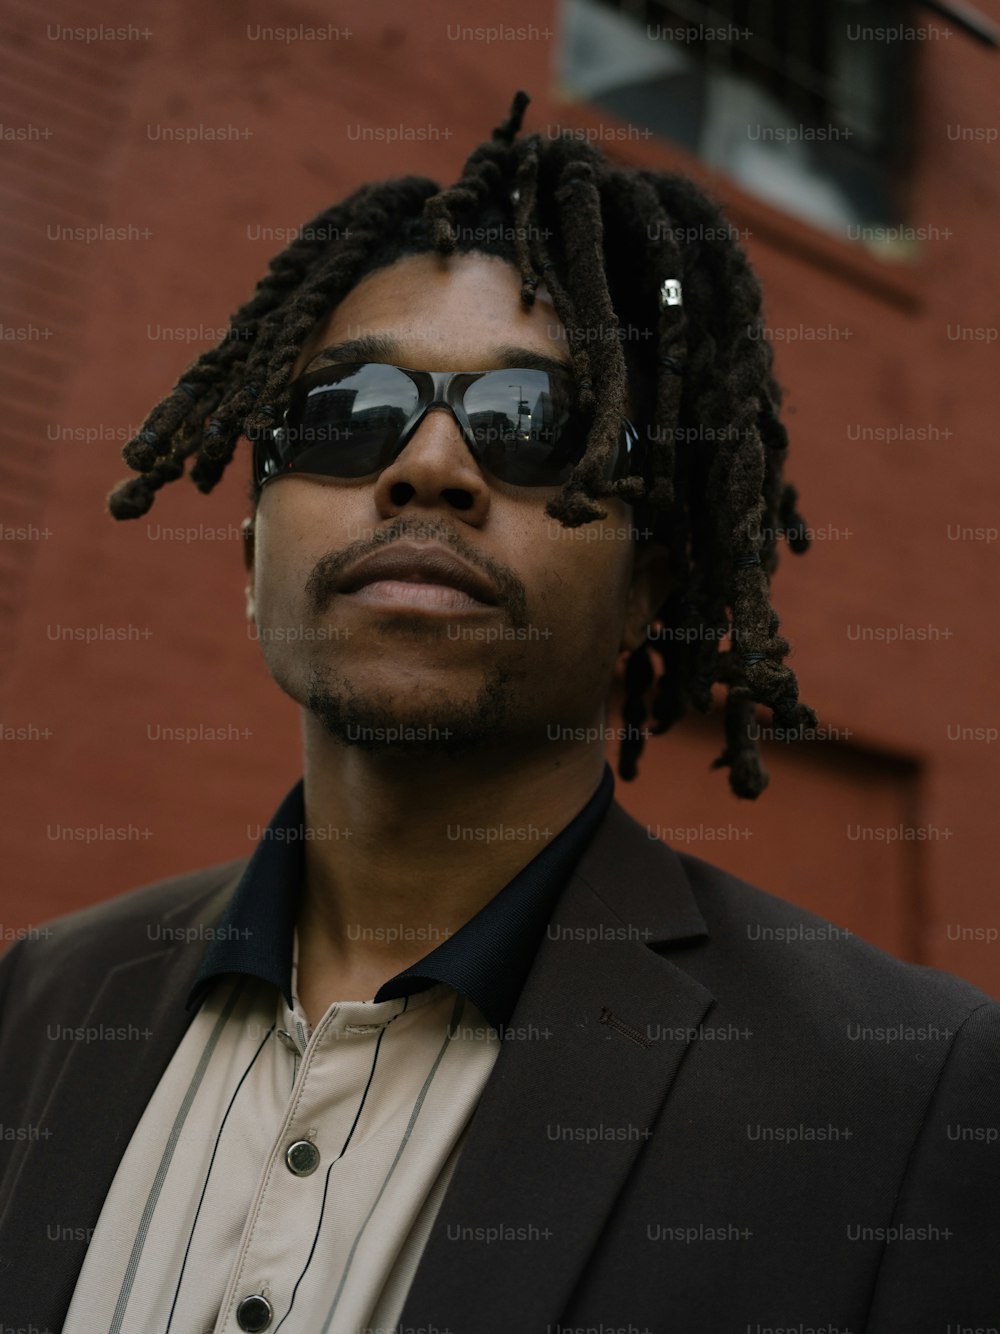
804, 103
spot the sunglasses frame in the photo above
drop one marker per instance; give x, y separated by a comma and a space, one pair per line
435, 389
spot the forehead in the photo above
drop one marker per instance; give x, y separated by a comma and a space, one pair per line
439, 308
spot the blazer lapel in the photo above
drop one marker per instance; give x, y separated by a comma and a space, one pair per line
598, 1035
131, 1031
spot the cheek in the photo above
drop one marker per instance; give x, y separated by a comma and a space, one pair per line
273, 577
291, 536
586, 584
286, 625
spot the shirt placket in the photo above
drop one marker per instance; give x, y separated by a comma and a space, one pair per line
256, 1298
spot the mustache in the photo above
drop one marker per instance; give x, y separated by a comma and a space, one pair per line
321, 586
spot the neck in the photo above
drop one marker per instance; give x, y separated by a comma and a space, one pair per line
402, 851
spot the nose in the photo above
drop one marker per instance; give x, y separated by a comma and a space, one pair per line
435, 469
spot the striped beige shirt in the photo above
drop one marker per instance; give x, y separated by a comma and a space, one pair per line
282, 1177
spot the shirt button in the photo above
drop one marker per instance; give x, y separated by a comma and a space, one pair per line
254, 1313
302, 1157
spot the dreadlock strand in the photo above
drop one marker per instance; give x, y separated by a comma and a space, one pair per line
747, 776
527, 192
638, 678
579, 214
483, 175
664, 261
570, 507
583, 231
133, 498
510, 127
208, 468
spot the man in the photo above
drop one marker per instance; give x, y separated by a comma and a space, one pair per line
461, 1047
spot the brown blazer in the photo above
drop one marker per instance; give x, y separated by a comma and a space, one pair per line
769, 1124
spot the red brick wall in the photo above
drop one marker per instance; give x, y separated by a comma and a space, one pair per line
190, 252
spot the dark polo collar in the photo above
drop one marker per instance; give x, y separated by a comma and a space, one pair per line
486, 960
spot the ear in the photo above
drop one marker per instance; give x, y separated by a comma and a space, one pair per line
652, 581
248, 563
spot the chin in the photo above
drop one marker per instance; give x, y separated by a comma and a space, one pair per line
412, 721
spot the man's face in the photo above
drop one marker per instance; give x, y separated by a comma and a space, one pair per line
569, 600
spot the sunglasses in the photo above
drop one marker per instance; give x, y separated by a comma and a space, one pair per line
352, 420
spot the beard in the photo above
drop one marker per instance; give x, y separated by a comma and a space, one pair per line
437, 726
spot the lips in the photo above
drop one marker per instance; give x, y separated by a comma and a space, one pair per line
407, 563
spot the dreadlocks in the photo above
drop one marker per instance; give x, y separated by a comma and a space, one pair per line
604, 241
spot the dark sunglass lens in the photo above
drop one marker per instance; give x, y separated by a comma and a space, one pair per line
348, 424
523, 423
